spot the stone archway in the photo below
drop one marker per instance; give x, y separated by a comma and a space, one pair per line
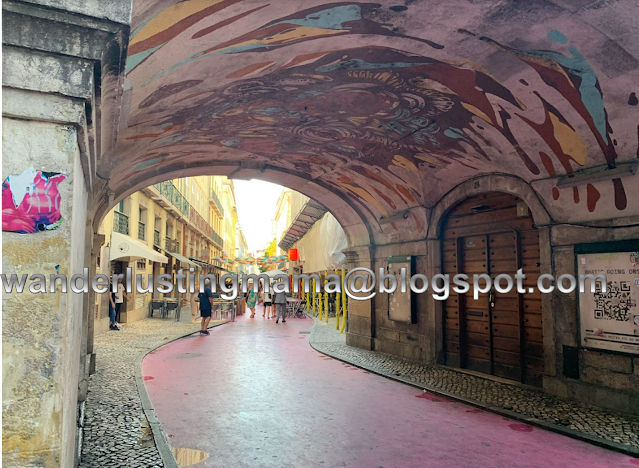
475, 189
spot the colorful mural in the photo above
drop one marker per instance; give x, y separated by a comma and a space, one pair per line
31, 202
343, 93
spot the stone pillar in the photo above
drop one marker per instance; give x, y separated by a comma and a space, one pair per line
360, 330
51, 105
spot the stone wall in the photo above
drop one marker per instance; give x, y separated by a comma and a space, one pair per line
56, 68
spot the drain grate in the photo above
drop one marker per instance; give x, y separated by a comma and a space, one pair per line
305, 333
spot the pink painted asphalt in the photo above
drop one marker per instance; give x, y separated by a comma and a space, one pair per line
255, 394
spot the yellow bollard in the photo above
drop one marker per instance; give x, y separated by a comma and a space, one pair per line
319, 303
344, 301
338, 296
326, 306
313, 296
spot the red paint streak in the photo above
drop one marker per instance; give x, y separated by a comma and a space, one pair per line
144, 135
620, 195
592, 196
547, 162
634, 461
521, 427
575, 194
242, 72
169, 33
305, 58
226, 22
555, 193
186, 393
148, 377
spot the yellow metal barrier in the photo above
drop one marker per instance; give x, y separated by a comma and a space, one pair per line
345, 302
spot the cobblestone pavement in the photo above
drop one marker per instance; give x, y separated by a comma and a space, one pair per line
116, 432
610, 426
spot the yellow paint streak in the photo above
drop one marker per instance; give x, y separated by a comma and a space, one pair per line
429, 161
171, 16
405, 163
477, 112
570, 141
287, 36
366, 196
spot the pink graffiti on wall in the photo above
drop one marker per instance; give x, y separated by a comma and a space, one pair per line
31, 202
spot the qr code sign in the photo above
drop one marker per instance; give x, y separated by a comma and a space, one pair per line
615, 303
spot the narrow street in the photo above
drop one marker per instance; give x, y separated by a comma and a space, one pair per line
254, 393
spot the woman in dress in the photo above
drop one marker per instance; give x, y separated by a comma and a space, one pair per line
251, 298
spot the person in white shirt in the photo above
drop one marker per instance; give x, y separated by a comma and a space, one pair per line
118, 300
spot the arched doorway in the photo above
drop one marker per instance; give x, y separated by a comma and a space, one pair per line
498, 334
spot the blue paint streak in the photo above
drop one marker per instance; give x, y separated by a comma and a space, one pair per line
172, 139
556, 36
456, 133
329, 19
326, 19
590, 95
357, 64
135, 59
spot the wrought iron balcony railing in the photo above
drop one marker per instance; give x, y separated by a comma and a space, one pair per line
120, 223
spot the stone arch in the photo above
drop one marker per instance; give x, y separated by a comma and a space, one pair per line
487, 183
354, 223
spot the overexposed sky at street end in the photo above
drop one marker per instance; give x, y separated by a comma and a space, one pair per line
256, 204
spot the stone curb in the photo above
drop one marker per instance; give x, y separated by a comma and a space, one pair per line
625, 449
161, 441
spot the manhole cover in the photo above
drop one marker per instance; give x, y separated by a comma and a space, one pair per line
305, 333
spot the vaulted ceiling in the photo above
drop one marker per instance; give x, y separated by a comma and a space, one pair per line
387, 104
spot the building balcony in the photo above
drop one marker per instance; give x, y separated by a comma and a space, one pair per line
120, 223
156, 238
170, 198
141, 231
216, 204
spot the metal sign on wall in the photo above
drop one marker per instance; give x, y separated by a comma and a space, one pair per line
610, 320
400, 305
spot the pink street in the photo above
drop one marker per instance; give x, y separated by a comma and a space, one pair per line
255, 394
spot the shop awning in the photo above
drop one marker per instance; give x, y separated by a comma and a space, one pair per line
126, 247
310, 213
200, 263
177, 256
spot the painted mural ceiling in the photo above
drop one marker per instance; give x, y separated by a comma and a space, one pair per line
390, 104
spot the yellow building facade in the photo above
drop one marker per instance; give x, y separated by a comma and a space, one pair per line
178, 224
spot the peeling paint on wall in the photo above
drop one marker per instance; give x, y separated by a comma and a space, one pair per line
31, 202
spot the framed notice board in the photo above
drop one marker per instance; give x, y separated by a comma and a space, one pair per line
610, 320
401, 304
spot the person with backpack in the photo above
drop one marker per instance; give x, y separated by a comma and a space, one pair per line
206, 306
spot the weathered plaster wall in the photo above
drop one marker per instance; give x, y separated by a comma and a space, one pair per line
61, 59
41, 331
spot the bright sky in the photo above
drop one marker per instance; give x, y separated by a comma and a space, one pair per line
256, 204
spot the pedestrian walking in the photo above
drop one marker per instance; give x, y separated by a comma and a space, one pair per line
117, 301
280, 303
268, 301
206, 306
251, 298
112, 311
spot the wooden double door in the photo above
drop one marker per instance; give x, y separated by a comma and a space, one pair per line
499, 333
